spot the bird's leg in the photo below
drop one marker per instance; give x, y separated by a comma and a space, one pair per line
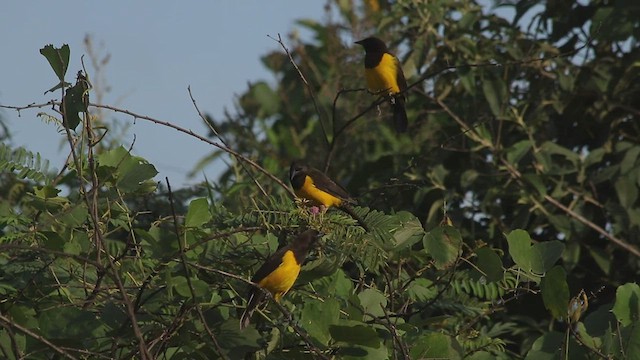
384, 92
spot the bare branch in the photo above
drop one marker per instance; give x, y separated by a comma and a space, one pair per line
306, 83
213, 129
8, 323
203, 139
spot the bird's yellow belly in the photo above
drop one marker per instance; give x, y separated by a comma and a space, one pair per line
310, 192
383, 77
283, 277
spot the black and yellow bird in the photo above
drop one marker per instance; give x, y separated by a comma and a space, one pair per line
313, 185
383, 73
279, 272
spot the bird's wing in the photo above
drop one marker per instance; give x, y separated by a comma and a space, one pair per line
270, 265
324, 183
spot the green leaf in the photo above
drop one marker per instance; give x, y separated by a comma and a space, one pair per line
67, 322
630, 159
46, 192
25, 316
58, 58
544, 255
372, 302
556, 159
355, 334
633, 345
495, 92
433, 346
130, 172
481, 355
409, 233
538, 258
627, 191
73, 246
594, 157
357, 352
520, 248
490, 264
546, 347
75, 217
627, 305
555, 292
537, 183
237, 342
468, 177
53, 240
181, 286
421, 290
517, 151
602, 258
318, 316
75, 101
443, 245
198, 213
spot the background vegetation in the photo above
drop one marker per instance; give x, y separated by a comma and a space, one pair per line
505, 223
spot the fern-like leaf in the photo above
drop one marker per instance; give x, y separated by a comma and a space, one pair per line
24, 164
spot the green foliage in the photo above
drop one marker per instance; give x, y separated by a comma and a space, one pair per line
24, 164
495, 221
58, 58
555, 292
627, 305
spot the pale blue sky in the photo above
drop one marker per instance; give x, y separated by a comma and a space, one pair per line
157, 49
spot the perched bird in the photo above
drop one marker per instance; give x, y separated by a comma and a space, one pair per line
383, 73
279, 272
313, 185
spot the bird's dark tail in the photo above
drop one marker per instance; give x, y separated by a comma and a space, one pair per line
349, 210
255, 298
399, 114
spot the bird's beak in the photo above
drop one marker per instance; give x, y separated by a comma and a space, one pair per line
358, 42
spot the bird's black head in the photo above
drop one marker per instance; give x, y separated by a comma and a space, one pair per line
373, 45
308, 237
303, 242
297, 167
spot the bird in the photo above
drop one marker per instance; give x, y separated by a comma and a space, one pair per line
383, 74
279, 272
312, 184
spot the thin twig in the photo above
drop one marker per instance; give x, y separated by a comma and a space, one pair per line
515, 174
581, 342
336, 134
349, 122
298, 330
621, 243
92, 204
306, 83
394, 333
219, 136
8, 323
183, 260
201, 138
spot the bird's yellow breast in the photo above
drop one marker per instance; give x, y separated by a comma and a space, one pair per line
310, 192
383, 77
283, 277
